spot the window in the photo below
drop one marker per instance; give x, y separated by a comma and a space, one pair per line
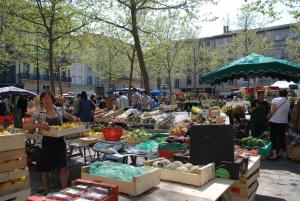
176, 84
89, 80
46, 87
189, 80
278, 37
293, 35
220, 41
26, 68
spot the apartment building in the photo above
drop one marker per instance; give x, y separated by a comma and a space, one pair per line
278, 35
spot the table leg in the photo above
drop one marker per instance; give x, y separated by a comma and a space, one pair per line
229, 195
84, 156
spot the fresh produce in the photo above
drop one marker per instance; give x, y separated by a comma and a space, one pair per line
160, 140
69, 125
97, 127
251, 141
222, 173
12, 182
135, 119
179, 130
177, 166
4, 132
136, 136
149, 120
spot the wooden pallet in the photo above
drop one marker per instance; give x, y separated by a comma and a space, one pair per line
10, 160
12, 142
17, 196
206, 175
139, 184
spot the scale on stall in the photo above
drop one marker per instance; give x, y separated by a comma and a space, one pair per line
109, 148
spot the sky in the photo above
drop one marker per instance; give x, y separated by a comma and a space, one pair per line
228, 9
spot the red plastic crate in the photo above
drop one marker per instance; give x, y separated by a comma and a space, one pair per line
9, 117
114, 190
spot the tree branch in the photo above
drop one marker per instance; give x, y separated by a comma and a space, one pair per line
34, 45
40, 7
69, 32
123, 3
112, 23
164, 6
142, 4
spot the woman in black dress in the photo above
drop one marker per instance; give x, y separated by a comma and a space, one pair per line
54, 154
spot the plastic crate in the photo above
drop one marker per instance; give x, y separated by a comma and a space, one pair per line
265, 151
167, 150
158, 135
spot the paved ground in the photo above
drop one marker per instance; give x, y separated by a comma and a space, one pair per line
279, 180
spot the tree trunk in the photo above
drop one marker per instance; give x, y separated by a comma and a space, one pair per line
131, 75
37, 72
51, 57
138, 46
110, 66
170, 84
195, 80
59, 80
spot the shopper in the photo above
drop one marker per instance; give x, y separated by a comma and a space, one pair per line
146, 102
17, 111
102, 103
135, 99
278, 121
122, 101
85, 108
259, 115
296, 116
8, 104
76, 104
53, 154
93, 99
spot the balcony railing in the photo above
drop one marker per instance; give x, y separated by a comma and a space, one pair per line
29, 76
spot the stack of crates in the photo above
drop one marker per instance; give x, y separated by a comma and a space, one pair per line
14, 174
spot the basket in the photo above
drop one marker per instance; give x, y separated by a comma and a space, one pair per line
112, 133
167, 150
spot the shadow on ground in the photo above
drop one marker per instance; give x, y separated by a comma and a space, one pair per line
268, 198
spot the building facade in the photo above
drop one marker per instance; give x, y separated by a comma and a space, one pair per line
278, 36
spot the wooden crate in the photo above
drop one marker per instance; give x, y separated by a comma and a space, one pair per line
207, 174
10, 160
253, 165
139, 184
15, 174
18, 196
245, 186
250, 198
12, 142
13, 188
55, 132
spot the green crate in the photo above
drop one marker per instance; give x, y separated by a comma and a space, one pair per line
266, 150
158, 135
172, 146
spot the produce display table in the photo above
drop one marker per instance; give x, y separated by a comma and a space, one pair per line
173, 191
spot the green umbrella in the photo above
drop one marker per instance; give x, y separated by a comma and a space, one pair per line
254, 65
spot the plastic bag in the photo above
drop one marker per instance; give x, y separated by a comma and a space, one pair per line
150, 146
116, 170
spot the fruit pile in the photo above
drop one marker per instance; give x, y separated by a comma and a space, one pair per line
179, 130
12, 182
136, 136
177, 166
69, 125
4, 132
